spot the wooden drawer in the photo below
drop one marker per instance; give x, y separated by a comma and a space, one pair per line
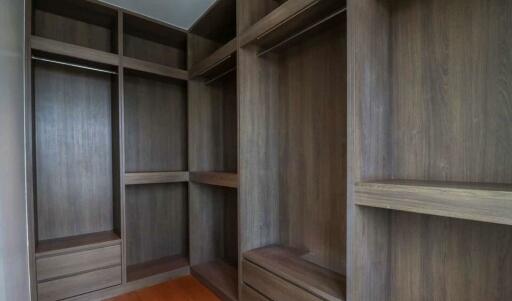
73, 263
272, 286
79, 284
248, 294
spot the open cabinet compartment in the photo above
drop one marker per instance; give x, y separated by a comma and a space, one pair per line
76, 194
293, 111
431, 108
78, 22
215, 30
156, 229
155, 111
214, 238
152, 42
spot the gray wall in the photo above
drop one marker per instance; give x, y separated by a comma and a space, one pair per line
14, 278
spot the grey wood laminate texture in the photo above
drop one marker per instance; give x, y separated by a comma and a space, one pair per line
72, 31
151, 51
213, 224
294, 120
213, 125
73, 147
155, 124
156, 221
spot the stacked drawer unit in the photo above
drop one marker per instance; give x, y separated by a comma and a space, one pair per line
280, 273
78, 269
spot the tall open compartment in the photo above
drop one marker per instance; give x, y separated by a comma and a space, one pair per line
293, 113
430, 115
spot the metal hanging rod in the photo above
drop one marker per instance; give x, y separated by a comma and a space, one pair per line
305, 30
73, 65
220, 76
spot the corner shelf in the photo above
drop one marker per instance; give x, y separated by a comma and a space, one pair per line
288, 20
470, 201
76, 243
155, 267
217, 63
153, 68
288, 264
155, 177
223, 179
74, 51
218, 276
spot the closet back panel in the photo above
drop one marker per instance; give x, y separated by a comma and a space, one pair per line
156, 222
73, 151
155, 124
213, 125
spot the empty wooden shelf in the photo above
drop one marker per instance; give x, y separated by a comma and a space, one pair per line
224, 179
155, 177
292, 267
220, 277
479, 202
74, 51
221, 61
156, 267
152, 68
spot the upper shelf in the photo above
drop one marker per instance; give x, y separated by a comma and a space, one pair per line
74, 51
478, 202
218, 62
290, 20
153, 68
223, 179
155, 177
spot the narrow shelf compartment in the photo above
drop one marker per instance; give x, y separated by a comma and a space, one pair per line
155, 177
153, 68
477, 202
288, 264
218, 276
156, 267
218, 63
77, 243
224, 179
288, 21
74, 51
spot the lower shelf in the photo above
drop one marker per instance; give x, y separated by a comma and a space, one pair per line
218, 276
76, 243
288, 264
155, 267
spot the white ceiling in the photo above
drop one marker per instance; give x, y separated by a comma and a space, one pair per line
180, 13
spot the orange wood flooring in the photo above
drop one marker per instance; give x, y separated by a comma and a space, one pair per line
182, 289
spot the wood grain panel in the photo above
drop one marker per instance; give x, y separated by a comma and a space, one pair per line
74, 263
290, 265
155, 267
312, 152
213, 224
76, 243
155, 177
76, 285
215, 178
249, 294
71, 31
150, 51
218, 276
73, 147
156, 69
213, 125
156, 221
272, 286
487, 203
155, 124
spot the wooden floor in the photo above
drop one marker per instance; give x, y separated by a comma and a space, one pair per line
181, 289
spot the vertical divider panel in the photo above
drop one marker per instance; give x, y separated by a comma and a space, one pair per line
121, 156
369, 97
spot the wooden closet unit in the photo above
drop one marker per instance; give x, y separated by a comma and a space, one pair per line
430, 106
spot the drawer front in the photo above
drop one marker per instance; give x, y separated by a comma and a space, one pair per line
79, 284
248, 294
272, 286
73, 263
